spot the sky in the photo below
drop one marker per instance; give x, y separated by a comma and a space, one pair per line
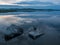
14, 1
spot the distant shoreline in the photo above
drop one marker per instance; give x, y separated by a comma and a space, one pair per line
26, 10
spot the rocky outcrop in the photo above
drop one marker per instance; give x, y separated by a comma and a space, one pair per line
15, 31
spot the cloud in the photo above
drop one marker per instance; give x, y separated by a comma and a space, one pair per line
13, 1
52, 1
8, 1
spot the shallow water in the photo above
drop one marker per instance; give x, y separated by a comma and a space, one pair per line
47, 22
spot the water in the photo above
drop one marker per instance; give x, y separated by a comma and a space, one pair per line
48, 22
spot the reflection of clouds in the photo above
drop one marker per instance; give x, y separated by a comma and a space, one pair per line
5, 21
11, 19
33, 15
8, 19
32, 4
54, 19
43, 23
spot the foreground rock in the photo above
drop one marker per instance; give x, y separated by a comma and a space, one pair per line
14, 32
35, 33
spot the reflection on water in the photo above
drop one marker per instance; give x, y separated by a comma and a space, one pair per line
48, 22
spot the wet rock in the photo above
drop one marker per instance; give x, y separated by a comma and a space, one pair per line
15, 31
34, 34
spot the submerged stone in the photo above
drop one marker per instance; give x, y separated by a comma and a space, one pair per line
34, 34
15, 31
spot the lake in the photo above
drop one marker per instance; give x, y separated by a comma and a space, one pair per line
47, 22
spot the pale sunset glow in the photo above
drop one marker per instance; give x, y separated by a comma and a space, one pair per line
8, 19
15, 1
6, 16
8, 1
4, 3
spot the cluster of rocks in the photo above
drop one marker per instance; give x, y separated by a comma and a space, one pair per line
18, 31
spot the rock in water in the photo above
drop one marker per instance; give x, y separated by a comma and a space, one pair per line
34, 34
15, 31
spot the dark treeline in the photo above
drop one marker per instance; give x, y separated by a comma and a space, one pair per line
25, 10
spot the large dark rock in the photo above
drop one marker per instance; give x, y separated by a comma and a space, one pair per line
15, 31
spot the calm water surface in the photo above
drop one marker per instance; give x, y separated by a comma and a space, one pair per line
48, 22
